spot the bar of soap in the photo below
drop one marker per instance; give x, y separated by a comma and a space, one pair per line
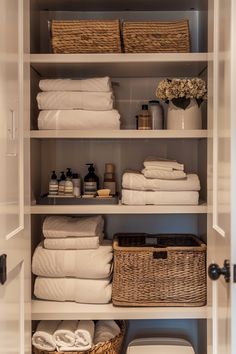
103, 192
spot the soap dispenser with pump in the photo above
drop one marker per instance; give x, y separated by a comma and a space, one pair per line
91, 181
53, 184
68, 183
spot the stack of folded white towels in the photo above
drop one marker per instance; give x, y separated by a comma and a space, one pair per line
73, 335
73, 263
77, 104
161, 182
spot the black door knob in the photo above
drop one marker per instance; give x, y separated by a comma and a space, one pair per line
214, 271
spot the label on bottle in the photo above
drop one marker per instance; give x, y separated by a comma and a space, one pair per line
90, 188
110, 185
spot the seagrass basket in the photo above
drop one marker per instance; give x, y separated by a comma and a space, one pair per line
159, 270
86, 36
156, 37
112, 346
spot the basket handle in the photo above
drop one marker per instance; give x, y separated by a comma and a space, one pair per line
160, 255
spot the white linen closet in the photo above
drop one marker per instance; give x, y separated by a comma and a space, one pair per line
27, 57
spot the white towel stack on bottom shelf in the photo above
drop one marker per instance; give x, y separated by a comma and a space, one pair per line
73, 335
67, 104
71, 271
161, 182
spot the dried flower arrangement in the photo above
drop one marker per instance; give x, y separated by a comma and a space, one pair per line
181, 91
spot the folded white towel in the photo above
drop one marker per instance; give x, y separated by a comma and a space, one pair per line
43, 337
72, 243
84, 335
65, 336
162, 174
164, 164
79, 119
99, 84
137, 181
88, 264
66, 226
86, 291
131, 197
105, 330
93, 101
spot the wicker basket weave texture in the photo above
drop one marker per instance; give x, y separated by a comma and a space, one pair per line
157, 37
144, 277
86, 36
112, 346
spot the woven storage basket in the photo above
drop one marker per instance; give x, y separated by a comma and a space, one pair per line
156, 37
112, 346
86, 36
159, 270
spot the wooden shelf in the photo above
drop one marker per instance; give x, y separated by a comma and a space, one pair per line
118, 134
119, 65
50, 310
119, 209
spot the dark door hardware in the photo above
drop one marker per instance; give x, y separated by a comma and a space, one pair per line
214, 271
3, 268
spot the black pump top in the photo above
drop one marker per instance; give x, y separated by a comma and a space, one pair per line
53, 176
144, 107
69, 173
91, 169
63, 177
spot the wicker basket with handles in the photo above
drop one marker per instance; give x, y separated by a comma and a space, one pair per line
159, 270
156, 37
86, 36
112, 346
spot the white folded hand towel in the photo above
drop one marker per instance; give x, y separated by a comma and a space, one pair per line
65, 336
79, 119
162, 174
43, 337
168, 165
88, 264
66, 226
85, 334
99, 84
105, 330
73, 243
93, 101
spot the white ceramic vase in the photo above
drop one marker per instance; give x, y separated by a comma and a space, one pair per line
189, 118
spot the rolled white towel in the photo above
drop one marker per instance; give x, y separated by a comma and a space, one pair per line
65, 336
105, 330
162, 174
84, 334
73, 243
66, 226
43, 337
93, 101
99, 84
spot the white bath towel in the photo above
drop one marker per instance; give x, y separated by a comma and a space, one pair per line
137, 181
168, 165
85, 334
86, 291
79, 119
65, 335
88, 264
66, 226
95, 84
131, 197
93, 101
43, 337
105, 330
72, 243
162, 174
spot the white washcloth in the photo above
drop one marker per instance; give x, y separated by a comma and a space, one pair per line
66, 226
99, 84
88, 264
86, 291
84, 335
162, 174
137, 181
43, 337
65, 336
105, 330
168, 165
79, 119
72, 243
93, 101
131, 197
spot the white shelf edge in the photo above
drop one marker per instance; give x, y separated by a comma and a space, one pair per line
118, 134
119, 58
49, 310
119, 209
